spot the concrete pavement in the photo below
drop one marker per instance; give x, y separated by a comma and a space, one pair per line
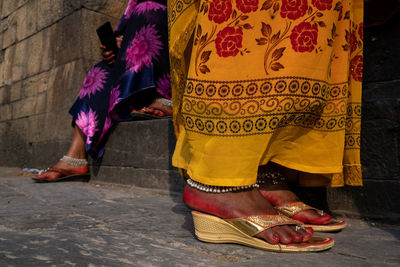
92, 224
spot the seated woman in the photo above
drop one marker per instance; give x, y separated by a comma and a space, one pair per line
135, 83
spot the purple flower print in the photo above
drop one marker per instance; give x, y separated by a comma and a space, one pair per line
148, 6
114, 98
87, 122
164, 86
143, 48
130, 8
94, 81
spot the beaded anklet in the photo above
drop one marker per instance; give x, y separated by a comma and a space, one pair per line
262, 178
74, 161
218, 189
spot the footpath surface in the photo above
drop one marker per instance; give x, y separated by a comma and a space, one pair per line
89, 224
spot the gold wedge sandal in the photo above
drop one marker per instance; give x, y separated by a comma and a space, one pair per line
209, 228
292, 209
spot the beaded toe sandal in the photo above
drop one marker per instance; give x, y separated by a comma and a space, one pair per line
80, 171
62, 175
292, 209
209, 228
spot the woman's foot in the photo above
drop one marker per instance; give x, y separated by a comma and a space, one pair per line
242, 204
64, 168
161, 107
281, 195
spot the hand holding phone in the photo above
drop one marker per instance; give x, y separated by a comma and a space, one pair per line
107, 39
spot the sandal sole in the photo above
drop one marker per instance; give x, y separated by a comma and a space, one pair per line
69, 177
212, 229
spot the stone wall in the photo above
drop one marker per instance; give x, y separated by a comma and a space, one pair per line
46, 47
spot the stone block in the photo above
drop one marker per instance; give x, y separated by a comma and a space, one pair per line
141, 144
49, 126
23, 108
148, 178
34, 54
381, 109
65, 82
3, 25
36, 84
9, 6
113, 8
41, 51
5, 112
7, 65
381, 51
10, 32
67, 41
380, 152
381, 90
377, 199
51, 11
26, 20
15, 91
2, 70
4, 95
19, 61
380, 139
29, 106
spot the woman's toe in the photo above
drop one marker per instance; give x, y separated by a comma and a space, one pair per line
269, 236
297, 237
284, 236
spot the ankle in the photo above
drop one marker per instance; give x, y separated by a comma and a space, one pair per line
75, 162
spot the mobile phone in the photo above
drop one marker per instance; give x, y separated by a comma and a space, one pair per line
107, 37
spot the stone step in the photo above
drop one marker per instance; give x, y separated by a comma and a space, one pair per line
139, 153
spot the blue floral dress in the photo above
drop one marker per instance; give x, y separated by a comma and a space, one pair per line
142, 64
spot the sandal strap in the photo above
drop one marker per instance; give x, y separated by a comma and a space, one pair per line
296, 207
252, 225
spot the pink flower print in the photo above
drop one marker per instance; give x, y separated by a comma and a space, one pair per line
106, 127
143, 48
87, 122
148, 6
114, 98
93, 82
164, 86
130, 8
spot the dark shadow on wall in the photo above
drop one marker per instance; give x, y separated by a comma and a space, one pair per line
378, 199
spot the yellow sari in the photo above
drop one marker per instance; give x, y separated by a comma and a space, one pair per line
258, 81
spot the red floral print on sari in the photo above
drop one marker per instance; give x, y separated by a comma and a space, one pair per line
229, 41
361, 30
247, 6
293, 9
220, 11
356, 67
322, 4
304, 37
353, 42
